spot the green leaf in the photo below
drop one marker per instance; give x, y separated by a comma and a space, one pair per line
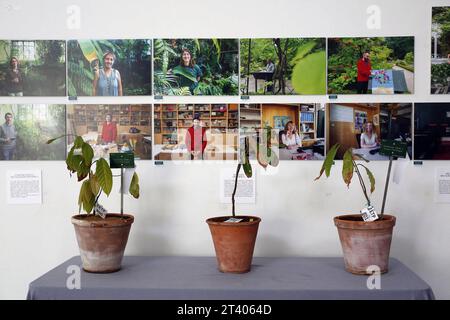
309, 74
134, 186
217, 45
274, 160
83, 170
371, 178
357, 156
329, 161
95, 186
247, 169
348, 168
88, 153
104, 175
78, 143
88, 49
86, 196
303, 50
179, 70
54, 139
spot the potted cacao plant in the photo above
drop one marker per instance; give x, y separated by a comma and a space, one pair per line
234, 236
101, 238
366, 237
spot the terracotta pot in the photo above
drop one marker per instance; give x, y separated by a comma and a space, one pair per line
234, 242
365, 244
102, 241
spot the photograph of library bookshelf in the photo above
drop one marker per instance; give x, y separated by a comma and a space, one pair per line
196, 131
112, 128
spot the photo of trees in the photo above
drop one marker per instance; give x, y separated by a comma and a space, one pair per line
32, 68
25, 129
440, 50
289, 66
361, 65
91, 64
206, 67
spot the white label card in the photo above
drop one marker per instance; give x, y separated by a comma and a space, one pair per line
442, 185
100, 210
233, 220
369, 214
245, 191
24, 187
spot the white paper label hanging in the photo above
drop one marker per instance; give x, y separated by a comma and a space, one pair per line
369, 214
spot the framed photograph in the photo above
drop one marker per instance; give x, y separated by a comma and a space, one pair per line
376, 119
109, 67
196, 67
26, 128
280, 121
32, 68
264, 70
377, 65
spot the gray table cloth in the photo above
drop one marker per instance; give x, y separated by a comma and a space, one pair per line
188, 278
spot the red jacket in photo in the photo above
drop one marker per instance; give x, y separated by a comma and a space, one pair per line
196, 139
364, 69
109, 132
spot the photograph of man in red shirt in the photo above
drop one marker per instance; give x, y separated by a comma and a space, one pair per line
364, 70
195, 139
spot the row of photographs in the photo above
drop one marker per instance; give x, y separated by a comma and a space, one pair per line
214, 131
211, 67
222, 67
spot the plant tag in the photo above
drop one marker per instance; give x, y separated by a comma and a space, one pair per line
369, 214
100, 211
233, 220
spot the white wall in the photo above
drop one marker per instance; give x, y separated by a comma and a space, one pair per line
176, 199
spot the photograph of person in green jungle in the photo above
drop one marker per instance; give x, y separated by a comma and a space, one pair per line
371, 65
290, 66
196, 67
32, 68
25, 129
109, 67
440, 50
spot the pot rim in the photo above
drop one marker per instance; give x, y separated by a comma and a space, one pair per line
341, 222
103, 223
211, 221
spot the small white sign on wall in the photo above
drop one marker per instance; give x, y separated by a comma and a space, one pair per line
24, 187
442, 184
245, 192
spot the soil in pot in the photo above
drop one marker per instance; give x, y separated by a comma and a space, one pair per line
234, 242
102, 242
365, 244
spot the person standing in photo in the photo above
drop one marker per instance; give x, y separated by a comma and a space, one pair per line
364, 69
195, 139
188, 64
14, 80
8, 137
107, 80
109, 130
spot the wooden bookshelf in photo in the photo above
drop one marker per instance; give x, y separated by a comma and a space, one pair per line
250, 118
88, 120
173, 120
307, 121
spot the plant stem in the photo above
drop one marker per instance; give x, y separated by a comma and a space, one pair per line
235, 187
96, 199
361, 182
